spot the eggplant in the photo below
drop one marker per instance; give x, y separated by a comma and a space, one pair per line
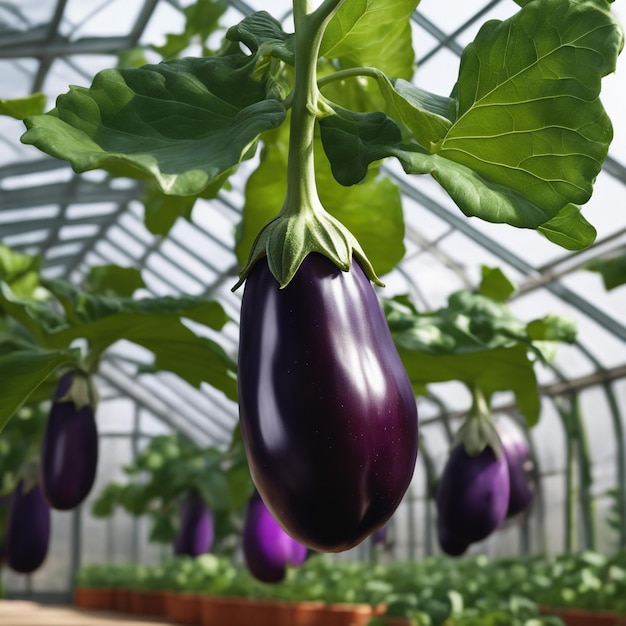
69, 452
195, 533
519, 461
267, 548
327, 412
448, 542
472, 495
28, 529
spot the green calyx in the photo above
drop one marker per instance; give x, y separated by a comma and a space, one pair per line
292, 235
478, 431
82, 392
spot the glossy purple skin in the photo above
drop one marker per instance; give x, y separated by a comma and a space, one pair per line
195, 534
473, 495
328, 415
267, 548
28, 530
519, 461
450, 544
69, 452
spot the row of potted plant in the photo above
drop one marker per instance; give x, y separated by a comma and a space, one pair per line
325, 592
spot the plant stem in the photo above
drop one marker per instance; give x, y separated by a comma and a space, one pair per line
352, 72
309, 28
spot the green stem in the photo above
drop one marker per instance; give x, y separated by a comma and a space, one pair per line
352, 72
480, 406
309, 28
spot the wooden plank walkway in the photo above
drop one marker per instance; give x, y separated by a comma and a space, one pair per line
23, 613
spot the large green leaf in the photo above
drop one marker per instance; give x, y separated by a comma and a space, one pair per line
529, 115
524, 142
372, 211
183, 122
21, 372
23, 107
372, 33
352, 141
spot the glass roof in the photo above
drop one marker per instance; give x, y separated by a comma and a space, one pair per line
76, 221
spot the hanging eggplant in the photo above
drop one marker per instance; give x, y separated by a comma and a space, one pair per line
69, 453
195, 533
267, 548
520, 464
472, 496
28, 529
328, 414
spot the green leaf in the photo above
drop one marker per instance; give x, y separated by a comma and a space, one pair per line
612, 269
112, 280
37, 316
372, 211
162, 210
263, 34
569, 229
14, 265
19, 108
553, 328
372, 33
155, 324
495, 284
201, 20
354, 140
529, 115
475, 340
427, 115
22, 372
183, 122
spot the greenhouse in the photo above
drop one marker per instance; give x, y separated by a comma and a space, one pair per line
314, 309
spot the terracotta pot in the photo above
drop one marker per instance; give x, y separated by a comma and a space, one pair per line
304, 613
121, 600
147, 602
344, 614
583, 617
183, 608
93, 598
220, 611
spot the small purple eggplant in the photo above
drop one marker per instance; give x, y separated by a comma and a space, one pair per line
519, 460
28, 530
267, 548
69, 453
195, 533
328, 414
473, 495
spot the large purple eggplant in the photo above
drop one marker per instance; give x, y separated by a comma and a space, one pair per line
28, 529
69, 453
520, 464
195, 533
267, 548
328, 415
472, 496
